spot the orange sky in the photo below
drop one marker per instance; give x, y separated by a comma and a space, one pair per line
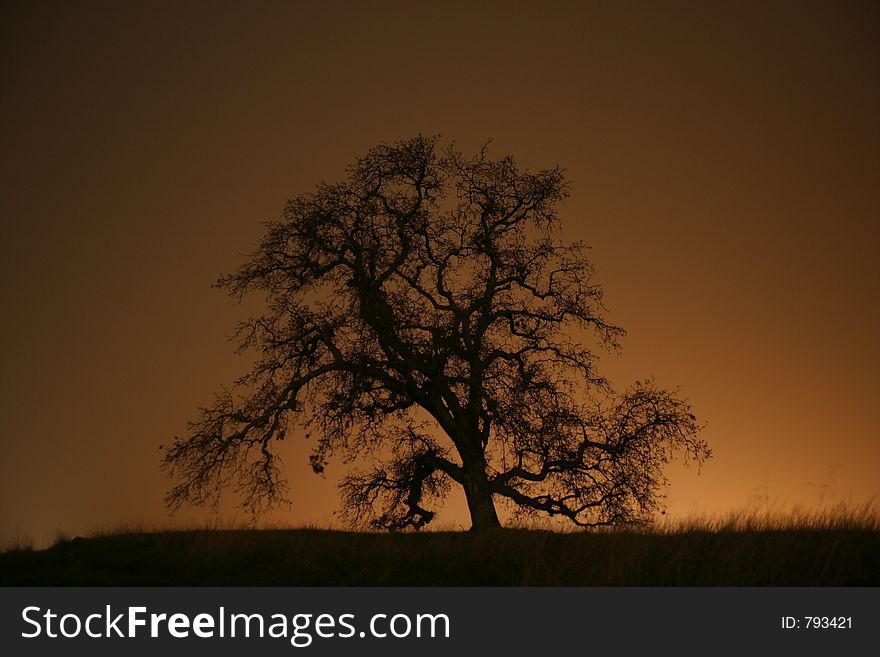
724, 167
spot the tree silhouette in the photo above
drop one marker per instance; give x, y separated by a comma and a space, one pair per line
424, 316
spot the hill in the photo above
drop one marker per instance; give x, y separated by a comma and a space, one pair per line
512, 557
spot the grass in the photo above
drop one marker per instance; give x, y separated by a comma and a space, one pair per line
837, 548
18, 543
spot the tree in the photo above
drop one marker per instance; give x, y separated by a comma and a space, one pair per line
424, 315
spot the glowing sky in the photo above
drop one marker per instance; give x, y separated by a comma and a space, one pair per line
725, 168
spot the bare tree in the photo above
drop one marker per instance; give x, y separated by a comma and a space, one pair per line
424, 315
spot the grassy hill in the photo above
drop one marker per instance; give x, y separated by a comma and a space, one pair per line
807, 555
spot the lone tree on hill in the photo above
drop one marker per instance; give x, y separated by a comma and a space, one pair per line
424, 316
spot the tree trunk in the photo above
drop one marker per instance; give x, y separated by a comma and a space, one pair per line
479, 498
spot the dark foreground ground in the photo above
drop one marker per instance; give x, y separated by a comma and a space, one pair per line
307, 557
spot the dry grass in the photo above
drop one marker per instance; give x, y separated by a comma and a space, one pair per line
836, 518
838, 547
18, 543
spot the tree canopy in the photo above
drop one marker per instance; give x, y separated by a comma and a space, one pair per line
427, 322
